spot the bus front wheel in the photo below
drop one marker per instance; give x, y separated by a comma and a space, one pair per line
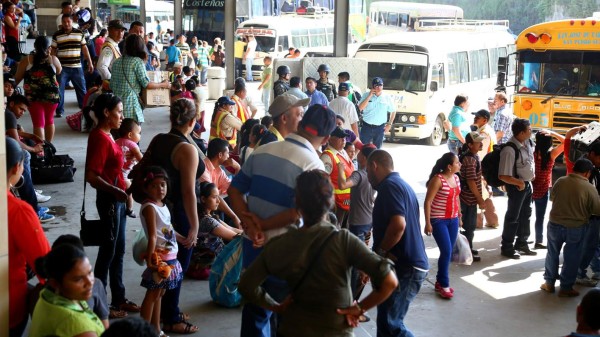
437, 134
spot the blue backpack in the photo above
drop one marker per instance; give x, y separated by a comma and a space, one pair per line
225, 275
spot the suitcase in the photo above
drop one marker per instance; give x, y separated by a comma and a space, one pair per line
582, 142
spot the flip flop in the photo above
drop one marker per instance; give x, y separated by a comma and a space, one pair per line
129, 306
114, 312
182, 328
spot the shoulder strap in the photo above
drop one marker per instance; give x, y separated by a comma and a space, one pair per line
517, 153
314, 259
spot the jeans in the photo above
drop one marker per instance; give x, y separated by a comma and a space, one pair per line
469, 219
110, 255
516, 219
256, 320
372, 134
590, 246
170, 300
391, 313
540, 213
266, 95
239, 66
444, 232
75, 75
249, 61
26, 191
454, 146
572, 238
203, 73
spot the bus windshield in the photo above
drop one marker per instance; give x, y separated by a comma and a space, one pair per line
397, 76
265, 43
569, 73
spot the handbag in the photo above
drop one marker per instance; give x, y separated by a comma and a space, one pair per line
96, 232
131, 87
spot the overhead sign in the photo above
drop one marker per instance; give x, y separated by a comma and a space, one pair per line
124, 2
204, 4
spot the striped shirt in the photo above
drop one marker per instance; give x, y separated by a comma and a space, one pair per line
202, 57
185, 50
68, 46
470, 170
445, 204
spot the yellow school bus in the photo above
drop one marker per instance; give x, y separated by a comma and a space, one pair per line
558, 77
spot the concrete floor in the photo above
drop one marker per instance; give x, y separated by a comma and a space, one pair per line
495, 297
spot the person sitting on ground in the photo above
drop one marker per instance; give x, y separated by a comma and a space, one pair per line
254, 137
62, 309
588, 320
574, 200
217, 155
98, 302
130, 134
290, 257
267, 121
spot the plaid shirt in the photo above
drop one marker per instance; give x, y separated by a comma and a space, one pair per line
128, 78
503, 123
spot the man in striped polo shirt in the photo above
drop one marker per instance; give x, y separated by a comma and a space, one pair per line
68, 44
262, 195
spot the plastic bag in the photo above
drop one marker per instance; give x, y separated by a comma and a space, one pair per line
140, 246
461, 253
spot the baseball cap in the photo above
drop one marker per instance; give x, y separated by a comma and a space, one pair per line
225, 101
377, 81
283, 103
178, 64
116, 24
14, 153
482, 113
9, 79
491, 99
344, 87
318, 120
339, 132
474, 137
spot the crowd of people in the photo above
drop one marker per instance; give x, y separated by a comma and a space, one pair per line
318, 202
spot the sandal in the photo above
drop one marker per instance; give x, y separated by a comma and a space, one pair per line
182, 328
115, 312
130, 213
129, 306
181, 317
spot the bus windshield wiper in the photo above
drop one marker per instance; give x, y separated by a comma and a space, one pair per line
410, 91
549, 98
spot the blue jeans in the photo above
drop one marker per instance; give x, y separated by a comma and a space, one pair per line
540, 213
572, 238
372, 134
170, 300
239, 66
26, 191
110, 255
516, 219
454, 146
391, 313
590, 246
75, 75
203, 73
266, 95
444, 232
249, 61
469, 219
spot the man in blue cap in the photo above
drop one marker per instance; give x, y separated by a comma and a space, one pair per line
375, 106
264, 198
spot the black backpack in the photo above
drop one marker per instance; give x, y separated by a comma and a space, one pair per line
491, 164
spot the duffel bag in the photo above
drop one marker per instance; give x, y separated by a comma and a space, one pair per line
57, 169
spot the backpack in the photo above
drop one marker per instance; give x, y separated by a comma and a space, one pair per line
225, 274
461, 156
491, 164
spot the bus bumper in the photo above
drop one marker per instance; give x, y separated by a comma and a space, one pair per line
408, 131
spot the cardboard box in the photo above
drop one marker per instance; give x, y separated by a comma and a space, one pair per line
157, 76
156, 97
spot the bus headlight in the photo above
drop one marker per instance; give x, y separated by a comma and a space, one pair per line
412, 119
403, 118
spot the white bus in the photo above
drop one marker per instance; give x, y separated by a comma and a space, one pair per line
162, 11
313, 36
424, 71
386, 17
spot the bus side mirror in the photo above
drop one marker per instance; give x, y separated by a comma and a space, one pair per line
501, 78
502, 64
280, 48
433, 86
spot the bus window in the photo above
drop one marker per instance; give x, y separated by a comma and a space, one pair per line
382, 18
330, 36
283, 43
529, 77
317, 37
512, 61
393, 20
265, 43
494, 54
453, 68
463, 66
437, 74
400, 76
148, 19
480, 65
300, 38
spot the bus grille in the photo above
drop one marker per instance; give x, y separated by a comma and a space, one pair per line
566, 120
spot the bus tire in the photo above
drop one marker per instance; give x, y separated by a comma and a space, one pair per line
437, 134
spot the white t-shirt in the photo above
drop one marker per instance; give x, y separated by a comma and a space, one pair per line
251, 48
342, 106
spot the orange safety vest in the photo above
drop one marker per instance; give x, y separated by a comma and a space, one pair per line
242, 112
215, 128
342, 197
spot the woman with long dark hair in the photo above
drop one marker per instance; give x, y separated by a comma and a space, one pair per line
442, 214
40, 71
544, 156
315, 261
104, 161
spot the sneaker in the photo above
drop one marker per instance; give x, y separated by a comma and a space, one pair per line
42, 198
524, 250
568, 293
45, 217
547, 287
130, 213
38, 191
511, 254
438, 287
539, 246
476, 258
586, 282
58, 115
445, 294
42, 209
